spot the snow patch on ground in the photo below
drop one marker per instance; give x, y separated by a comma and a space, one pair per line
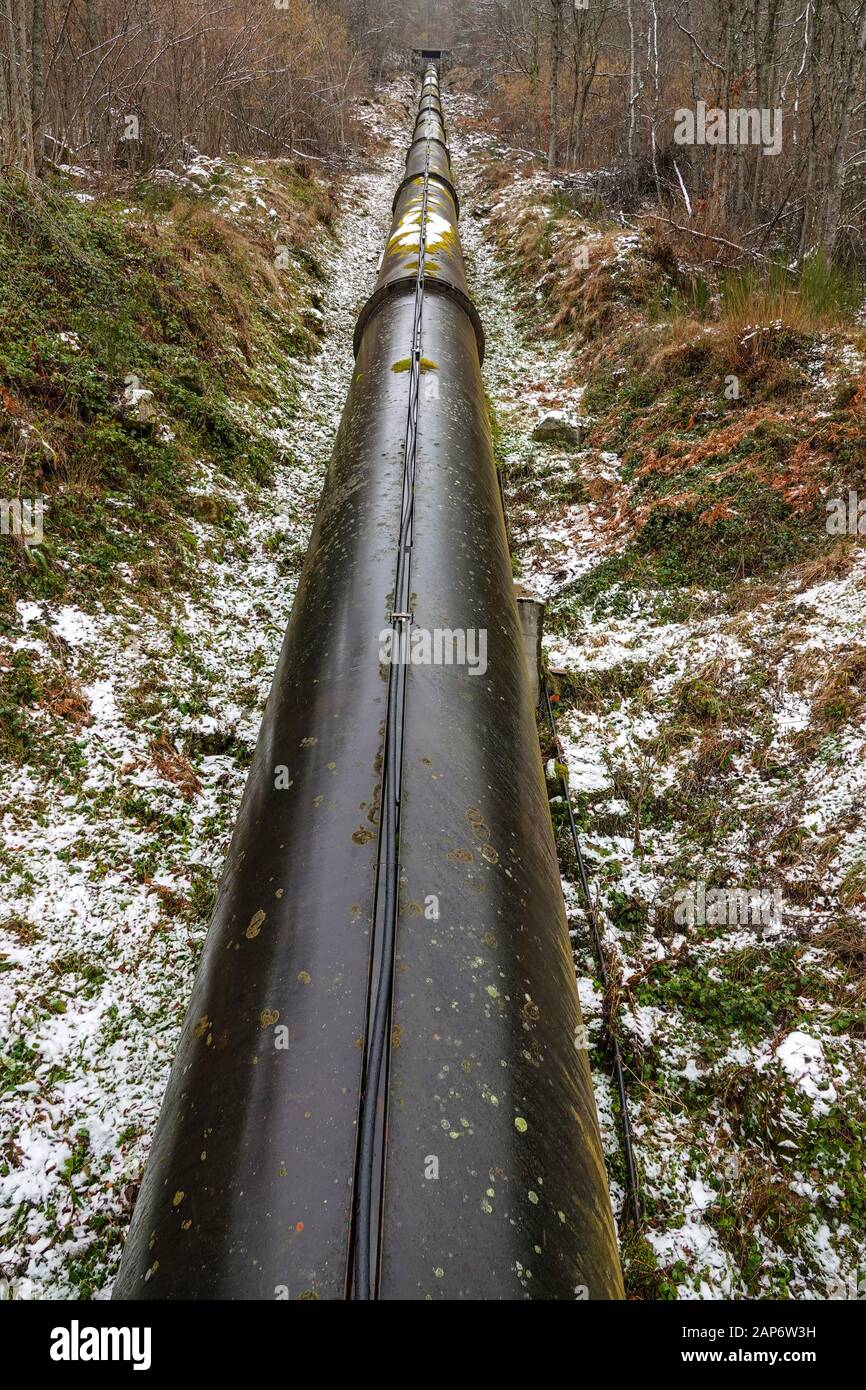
740, 1126
109, 875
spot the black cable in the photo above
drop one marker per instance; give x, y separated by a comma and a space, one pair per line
389, 830
632, 1189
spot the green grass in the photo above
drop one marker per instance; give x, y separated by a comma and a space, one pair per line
822, 294
187, 307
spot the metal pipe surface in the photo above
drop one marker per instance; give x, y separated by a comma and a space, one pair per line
486, 1178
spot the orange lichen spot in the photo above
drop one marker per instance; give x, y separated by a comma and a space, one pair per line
255, 925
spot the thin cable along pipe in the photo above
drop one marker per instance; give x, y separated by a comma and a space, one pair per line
633, 1209
377, 1092
372, 1101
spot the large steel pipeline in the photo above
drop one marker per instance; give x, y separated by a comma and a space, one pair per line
379, 1090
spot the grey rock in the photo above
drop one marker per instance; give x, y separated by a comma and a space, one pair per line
556, 428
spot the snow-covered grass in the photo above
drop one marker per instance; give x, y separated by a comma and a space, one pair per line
116, 821
715, 729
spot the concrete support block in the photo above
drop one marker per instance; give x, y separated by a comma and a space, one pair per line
531, 609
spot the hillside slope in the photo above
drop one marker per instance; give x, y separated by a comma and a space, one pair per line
712, 703
172, 371
137, 642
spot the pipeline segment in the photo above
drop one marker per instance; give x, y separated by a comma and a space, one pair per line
393, 859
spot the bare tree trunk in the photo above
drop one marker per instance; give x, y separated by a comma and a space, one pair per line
738, 152
534, 66
765, 52
15, 151
555, 58
632, 85
653, 48
37, 89
26, 99
816, 120
836, 188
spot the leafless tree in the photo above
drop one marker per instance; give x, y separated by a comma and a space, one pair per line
588, 84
